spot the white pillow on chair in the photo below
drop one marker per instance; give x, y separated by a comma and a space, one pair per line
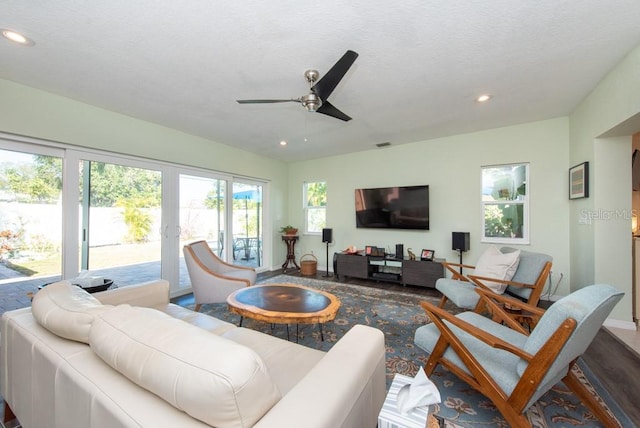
494, 264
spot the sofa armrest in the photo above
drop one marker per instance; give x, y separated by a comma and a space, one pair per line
149, 294
345, 389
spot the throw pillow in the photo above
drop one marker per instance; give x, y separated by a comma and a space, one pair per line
494, 264
66, 310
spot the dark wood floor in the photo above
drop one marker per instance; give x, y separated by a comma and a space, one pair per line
613, 363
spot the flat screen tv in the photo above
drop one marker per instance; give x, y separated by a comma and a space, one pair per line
404, 207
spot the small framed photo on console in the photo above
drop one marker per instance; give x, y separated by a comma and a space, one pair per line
427, 255
369, 250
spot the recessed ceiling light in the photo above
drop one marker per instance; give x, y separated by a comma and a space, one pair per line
283, 143
17, 37
484, 98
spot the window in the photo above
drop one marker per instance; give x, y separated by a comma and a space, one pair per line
315, 206
505, 203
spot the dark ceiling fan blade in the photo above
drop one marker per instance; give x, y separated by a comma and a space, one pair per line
325, 86
328, 109
266, 101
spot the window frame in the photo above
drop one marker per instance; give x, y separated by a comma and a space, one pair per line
520, 200
309, 208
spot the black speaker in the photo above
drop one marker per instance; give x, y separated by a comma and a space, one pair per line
399, 251
460, 241
327, 235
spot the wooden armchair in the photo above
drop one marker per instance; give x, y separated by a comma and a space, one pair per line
526, 284
511, 367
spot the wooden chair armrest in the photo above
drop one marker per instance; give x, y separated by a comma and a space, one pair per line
478, 279
489, 295
455, 274
435, 312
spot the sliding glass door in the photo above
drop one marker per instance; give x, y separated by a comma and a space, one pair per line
201, 211
30, 212
247, 212
118, 217
121, 221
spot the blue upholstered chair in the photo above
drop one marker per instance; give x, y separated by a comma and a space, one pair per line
527, 282
510, 366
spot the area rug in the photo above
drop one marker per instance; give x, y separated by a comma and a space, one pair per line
398, 315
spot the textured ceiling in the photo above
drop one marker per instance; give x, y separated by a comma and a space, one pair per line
183, 64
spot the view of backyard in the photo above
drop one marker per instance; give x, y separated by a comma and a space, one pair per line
101, 258
120, 215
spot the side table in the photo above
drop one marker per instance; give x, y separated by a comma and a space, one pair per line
290, 240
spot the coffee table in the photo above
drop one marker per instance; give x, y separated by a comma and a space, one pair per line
284, 304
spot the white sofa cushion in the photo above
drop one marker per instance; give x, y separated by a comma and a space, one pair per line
213, 379
494, 264
66, 310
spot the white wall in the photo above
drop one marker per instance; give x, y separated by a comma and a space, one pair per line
451, 168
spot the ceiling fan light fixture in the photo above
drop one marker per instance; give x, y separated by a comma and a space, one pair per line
311, 106
311, 102
317, 99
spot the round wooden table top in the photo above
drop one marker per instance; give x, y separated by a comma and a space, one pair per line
284, 304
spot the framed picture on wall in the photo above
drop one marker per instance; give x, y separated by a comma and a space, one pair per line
579, 181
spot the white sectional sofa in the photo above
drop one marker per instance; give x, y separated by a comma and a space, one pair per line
129, 358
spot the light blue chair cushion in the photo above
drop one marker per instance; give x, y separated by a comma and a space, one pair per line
529, 268
589, 306
461, 293
501, 365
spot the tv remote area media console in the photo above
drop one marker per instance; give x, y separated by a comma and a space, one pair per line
388, 268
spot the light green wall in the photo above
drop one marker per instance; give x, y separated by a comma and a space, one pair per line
451, 168
598, 131
601, 129
34, 113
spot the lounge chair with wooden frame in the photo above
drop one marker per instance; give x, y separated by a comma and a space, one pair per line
526, 284
213, 279
509, 365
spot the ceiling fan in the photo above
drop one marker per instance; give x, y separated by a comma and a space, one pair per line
316, 100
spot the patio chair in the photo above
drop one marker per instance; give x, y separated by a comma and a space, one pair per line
511, 367
526, 284
213, 279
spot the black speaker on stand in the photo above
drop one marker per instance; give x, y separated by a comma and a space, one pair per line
327, 235
460, 243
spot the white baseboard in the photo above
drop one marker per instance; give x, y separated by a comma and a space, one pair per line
625, 325
609, 322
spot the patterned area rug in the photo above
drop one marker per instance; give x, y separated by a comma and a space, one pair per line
398, 315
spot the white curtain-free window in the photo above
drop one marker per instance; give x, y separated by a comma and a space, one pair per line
505, 203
